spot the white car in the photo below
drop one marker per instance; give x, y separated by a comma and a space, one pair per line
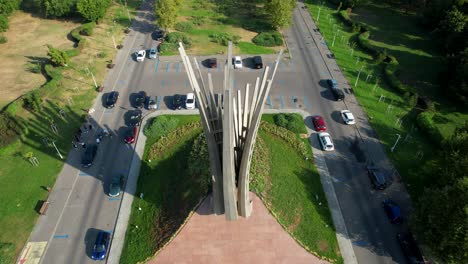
140, 55
326, 141
237, 62
190, 101
348, 117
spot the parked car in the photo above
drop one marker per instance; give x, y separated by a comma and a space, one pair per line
140, 100
89, 155
212, 62
393, 211
348, 117
111, 99
152, 103
101, 246
190, 101
153, 53
177, 102
410, 249
237, 62
116, 185
337, 92
378, 178
326, 141
131, 135
319, 123
158, 34
140, 55
135, 118
258, 62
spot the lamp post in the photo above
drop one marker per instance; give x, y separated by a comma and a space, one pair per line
58, 152
92, 75
396, 142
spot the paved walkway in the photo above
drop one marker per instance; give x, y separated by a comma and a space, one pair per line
257, 239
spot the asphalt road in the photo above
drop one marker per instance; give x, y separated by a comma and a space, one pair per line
80, 205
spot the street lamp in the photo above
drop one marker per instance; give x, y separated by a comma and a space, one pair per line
58, 152
396, 142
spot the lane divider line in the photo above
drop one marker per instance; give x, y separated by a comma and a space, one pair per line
159, 103
114, 198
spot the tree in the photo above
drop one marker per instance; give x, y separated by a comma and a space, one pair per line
280, 12
454, 21
166, 13
57, 8
58, 57
92, 10
8, 6
3, 23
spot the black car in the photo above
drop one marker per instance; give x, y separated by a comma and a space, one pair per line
410, 248
89, 155
158, 34
101, 246
393, 211
111, 99
177, 101
212, 62
140, 100
337, 92
135, 118
258, 63
116, 185
379, 179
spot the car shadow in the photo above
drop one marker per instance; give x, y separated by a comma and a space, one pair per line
336, 116
327, 94
323, 84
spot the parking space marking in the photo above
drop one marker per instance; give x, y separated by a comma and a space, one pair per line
187, 83
82, 173
114, 198
177, 67
219, 67
294, 101
306, 104
167, 67
159, 103
163, 82
360, 243
121, 82
269, 102
60, 236
156, 66
281, 101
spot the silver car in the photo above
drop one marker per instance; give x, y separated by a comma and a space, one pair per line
153, 54
152, 103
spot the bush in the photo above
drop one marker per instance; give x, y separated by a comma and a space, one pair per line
160, 126
3, 39
176, 37
12, 108
199, 160
224, 38
87, 29
34, 67
58, 57
425, 123
10, 129
184, 26
268, 39
198, 20
32, 101
280, 120
72, 52
3, 23
292, 122
168, 47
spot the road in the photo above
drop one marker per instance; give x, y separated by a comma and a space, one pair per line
80, 205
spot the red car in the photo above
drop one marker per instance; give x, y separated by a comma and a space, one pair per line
319, 123
131, 135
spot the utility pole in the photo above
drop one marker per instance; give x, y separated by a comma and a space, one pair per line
92, 75
396, 142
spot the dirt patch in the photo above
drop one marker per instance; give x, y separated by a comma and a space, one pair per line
322, 245
297, 220
27, 40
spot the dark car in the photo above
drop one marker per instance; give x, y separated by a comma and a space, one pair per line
258, 62
379, 179
100, 246
89, 155
158, 34
111, 99
177, 101
410, 249
140, 100
212, 62
131, 135
337, 92
135, 118
319, 123
393, 211
116, 185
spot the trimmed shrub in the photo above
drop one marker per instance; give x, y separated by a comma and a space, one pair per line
184, 26
3, 39
292, 122
198, 20
168, 47
280, 120
224, 38
87, 29
160, 126
425, 123
176, 37
58, 57
268, 39
4, 25
198, 164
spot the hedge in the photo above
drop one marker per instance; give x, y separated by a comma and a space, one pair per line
4, 25
87, 29
268, 39
425, 123
3, 39
224, 38
10, 129
176, 37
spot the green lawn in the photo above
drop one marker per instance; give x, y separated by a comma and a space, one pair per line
385, 114
231, 20
21, 184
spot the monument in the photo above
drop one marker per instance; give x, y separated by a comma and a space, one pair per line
230, 129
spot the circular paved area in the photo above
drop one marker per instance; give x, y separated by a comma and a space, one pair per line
208, 238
